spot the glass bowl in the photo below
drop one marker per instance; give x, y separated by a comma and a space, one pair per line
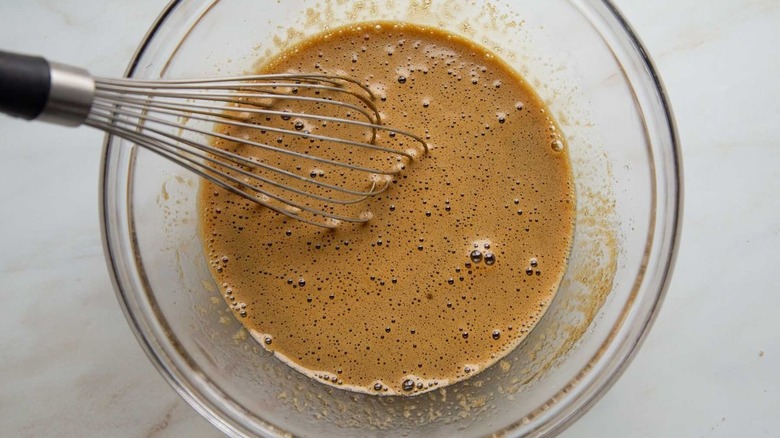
585, 62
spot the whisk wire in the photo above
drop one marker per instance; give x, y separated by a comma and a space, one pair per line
238, 159
227, 119
289, 208
145, 111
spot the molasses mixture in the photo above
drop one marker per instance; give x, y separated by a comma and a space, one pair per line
463, 253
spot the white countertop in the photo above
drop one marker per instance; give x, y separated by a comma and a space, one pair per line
69, 365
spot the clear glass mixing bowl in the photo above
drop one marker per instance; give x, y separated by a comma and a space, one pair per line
583, 59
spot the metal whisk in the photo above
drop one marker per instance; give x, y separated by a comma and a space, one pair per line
275, 140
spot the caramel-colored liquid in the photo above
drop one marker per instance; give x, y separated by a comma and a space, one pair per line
404, 303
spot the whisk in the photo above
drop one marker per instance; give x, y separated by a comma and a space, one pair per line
278, 140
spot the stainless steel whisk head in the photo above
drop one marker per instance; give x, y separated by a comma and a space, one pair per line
308, 146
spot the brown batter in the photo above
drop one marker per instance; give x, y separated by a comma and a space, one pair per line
464, 252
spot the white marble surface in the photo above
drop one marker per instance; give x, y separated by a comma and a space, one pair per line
69, 365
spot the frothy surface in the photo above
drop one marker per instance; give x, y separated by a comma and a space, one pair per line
463, 253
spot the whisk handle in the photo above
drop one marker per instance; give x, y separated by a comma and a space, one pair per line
33, 88
25, 82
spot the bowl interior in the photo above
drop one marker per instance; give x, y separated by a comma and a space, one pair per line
603, 93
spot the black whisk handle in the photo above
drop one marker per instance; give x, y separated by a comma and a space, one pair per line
25, 83
34, 88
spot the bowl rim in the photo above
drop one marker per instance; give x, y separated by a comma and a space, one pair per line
589, 391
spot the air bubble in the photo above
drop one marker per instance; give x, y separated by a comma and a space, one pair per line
476, 256
408, 385
557, 145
